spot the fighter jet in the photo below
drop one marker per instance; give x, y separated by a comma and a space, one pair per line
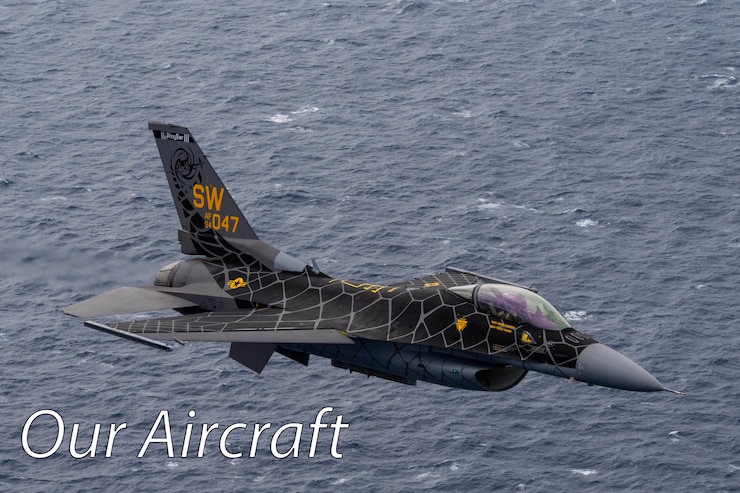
455, 328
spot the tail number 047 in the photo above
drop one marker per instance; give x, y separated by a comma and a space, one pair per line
217, 222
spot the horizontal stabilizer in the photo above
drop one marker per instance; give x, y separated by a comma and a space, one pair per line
126, 300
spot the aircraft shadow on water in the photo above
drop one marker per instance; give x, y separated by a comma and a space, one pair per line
455, 328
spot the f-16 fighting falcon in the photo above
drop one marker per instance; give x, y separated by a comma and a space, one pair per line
455, 328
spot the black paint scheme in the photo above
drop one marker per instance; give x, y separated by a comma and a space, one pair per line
454, 328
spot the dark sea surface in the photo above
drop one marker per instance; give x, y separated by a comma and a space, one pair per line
591, 149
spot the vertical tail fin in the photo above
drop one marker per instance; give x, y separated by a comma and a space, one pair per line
202, 201
211, 223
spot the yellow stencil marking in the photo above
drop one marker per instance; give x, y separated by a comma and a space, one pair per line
210, 199
431, 285
208, 196
217, 222
495, 324
373, 288
461, 324
237, 283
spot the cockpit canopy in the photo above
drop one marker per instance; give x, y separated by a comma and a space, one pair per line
507, 302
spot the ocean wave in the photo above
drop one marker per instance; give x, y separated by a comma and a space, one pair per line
291, 116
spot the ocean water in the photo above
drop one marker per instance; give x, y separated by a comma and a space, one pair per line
590, 149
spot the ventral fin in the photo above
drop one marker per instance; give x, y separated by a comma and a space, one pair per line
253, 355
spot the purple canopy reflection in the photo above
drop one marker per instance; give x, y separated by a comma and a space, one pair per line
523, 304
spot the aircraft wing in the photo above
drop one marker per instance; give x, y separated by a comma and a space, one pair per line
254, 334
260, 325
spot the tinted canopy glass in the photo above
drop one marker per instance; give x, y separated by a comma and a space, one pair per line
503, 299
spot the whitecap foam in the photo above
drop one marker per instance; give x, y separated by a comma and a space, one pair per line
426, 475
587, 223
570, 211
484, 204
287, 118
720, 81
576, 315
280, 118
305, 109
584, 472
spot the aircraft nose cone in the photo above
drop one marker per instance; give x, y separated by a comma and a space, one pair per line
601, 365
